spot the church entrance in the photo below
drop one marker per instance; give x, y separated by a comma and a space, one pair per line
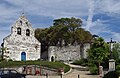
23, 56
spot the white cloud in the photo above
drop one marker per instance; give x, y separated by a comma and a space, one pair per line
62, 8
53, 8
110, 7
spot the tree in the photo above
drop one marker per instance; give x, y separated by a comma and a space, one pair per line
64, 29
68, 26
116, 51
2, 49
98, 51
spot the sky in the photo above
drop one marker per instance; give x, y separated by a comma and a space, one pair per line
100, 17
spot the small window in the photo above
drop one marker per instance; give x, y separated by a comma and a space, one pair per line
20, 22
27, 23
27, 32
19, 31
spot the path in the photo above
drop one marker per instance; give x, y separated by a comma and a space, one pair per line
72, 74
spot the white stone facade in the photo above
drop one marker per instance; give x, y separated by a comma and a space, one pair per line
67, 53
21, 43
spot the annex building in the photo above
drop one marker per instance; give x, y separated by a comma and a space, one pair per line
21, 45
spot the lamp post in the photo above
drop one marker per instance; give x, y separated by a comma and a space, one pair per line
111, 60
111, 46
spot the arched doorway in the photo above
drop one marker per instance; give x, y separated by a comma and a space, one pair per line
52, 59
23, 56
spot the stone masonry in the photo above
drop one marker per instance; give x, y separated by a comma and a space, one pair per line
21, 43
67, 53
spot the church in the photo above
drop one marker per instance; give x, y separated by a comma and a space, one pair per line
21, 45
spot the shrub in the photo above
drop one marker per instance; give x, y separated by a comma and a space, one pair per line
10, 60
118, 69
117, 61
82, 62
112, 74
93, 69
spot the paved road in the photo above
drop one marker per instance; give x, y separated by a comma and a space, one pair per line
72, 74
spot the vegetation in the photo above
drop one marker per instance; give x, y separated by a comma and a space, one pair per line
98, 52
2, 50
116, 51
82, 62
115, 54
112, 74
93, 69
64, 31
118, 69
55, 65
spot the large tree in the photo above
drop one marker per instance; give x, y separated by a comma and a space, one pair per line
64, 31
68, 28
116, 51
98, 52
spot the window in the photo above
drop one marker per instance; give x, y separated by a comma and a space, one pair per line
19, 31
27, 23
20, 22
27, 32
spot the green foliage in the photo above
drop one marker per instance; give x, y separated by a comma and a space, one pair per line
116, 51
118, 62
55, 65
2, 50
93, 69
82, 62
98, 51
118, 69
112, 74
67, 30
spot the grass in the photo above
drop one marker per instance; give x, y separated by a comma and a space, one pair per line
82, 62
54, 65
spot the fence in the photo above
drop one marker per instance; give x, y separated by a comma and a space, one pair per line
38, 70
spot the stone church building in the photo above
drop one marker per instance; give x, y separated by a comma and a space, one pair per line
21, 45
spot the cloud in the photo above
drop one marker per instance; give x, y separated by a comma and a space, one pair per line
90, 15
109, 7
52, 9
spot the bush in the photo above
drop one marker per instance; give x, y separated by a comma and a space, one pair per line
118, 69
93, 69
117, 61
112, 74
10, 60
82, 62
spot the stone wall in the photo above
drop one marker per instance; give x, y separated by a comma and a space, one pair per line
67, 53
64, 53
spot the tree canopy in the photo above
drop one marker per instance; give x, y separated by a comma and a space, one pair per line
64, 31
116, 51
98, 51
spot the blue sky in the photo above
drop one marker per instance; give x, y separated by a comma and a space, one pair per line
100, 17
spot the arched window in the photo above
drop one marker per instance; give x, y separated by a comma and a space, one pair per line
20, 22
19, 31
27, 23
27, 32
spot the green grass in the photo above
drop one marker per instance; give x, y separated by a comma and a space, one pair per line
55, 65
82, 62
